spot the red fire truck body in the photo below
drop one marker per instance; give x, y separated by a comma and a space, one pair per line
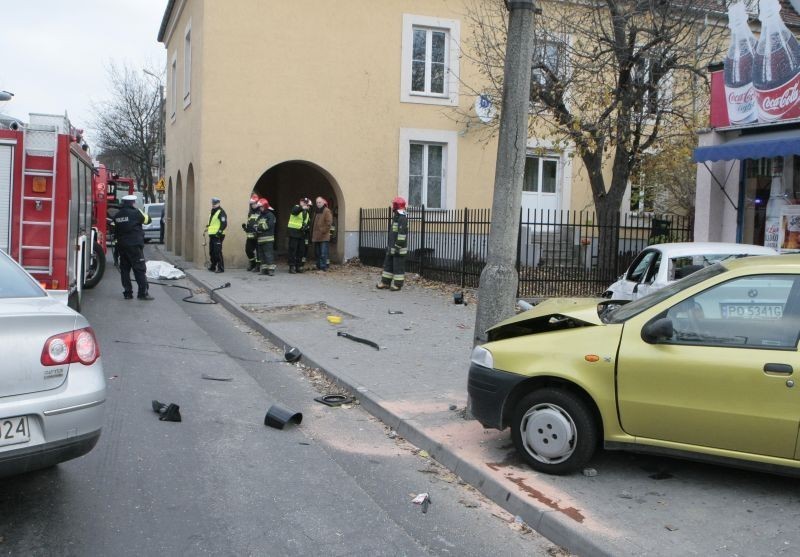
48, 206
109, 190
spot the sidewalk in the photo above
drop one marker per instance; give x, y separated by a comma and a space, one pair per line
420, 373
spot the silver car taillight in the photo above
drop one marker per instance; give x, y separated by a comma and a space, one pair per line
71, 348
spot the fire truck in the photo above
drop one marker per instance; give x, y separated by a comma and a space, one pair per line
50, 206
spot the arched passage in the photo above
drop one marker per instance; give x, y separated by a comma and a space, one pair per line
177, 216
285, 183
169, 216
190, 217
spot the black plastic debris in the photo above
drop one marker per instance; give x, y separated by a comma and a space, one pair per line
358, 339
334, 400
395, 312
458, 298
292, 354
212, 378
168, 412
278, 416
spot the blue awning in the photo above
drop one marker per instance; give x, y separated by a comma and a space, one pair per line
765, 145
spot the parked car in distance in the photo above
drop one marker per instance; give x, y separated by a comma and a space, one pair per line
701, 369
152, 231
52, 387
662, 264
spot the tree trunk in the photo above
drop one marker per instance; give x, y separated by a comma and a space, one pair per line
498, 282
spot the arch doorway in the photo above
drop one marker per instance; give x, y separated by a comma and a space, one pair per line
285, 183
177, 215
189, 255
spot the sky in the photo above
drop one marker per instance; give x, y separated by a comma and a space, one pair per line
55, 54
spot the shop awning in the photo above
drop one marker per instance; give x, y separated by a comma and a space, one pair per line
764, 145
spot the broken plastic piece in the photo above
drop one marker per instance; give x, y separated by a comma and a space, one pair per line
277, 417
458, 297
358, 339
395, 312
334, 400
423, 499
168, 412
212, 378
292, 354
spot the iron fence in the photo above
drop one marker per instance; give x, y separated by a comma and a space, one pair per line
557, 251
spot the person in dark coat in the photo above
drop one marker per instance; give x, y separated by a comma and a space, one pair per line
130, 245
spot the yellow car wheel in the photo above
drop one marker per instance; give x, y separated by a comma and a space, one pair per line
554, 431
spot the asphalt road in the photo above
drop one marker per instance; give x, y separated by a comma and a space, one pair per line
222, 483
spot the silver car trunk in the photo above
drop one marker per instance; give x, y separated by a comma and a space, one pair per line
26, 323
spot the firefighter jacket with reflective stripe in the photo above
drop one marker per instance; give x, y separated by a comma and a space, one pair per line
250, 225
128, 226
217, 222
298, 222
398, 236
265, 227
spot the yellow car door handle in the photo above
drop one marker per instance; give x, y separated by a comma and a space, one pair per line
780, 369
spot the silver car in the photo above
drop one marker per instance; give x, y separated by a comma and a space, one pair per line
52, 387
152, 231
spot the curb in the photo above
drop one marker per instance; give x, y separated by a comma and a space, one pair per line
543, 520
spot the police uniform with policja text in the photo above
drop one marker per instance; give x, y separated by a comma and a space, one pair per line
129, 237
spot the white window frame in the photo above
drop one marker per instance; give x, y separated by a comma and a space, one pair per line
449, 141
187, 65
173, 86
452, 28
565, 153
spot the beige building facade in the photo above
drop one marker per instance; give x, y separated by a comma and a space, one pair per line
357, 101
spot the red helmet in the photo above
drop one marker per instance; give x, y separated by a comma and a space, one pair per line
254, 197
263, 203
398, 203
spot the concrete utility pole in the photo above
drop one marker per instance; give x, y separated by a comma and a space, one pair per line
498, 286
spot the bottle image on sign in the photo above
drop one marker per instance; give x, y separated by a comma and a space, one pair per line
776, 67
740, 96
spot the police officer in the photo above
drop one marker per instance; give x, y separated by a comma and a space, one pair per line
265, 237
129, 236
298, 230
394, 264
249, 228
217, 223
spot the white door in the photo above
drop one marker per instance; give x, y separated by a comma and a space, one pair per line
540, 189
6, 158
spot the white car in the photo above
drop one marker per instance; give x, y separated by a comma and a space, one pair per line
662, 264
152, 231
52, 386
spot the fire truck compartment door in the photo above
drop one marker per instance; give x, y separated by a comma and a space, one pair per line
6, 159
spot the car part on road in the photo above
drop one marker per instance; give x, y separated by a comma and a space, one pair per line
358, 339
191, 292
423, 499
168, 412
292, 354
278, 416
395, 312
458, 298
523, 305
212, 378
334, 400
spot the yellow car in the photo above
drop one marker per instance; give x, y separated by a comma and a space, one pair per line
701, 369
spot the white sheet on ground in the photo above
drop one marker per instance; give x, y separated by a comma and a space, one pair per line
161, 270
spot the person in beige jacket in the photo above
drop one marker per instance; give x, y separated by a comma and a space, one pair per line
321, 233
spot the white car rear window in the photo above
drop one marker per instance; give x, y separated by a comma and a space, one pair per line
15, 282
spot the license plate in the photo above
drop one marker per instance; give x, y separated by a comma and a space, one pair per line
14, 430
751, 311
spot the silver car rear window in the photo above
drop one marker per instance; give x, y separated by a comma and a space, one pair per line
15, 282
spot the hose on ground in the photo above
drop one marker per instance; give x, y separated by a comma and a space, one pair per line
191, 293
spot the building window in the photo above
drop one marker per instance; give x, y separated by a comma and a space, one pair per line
541, 175
650, 75
430, 62
549, 61
426, 175
426, 160
187, 65
173, 86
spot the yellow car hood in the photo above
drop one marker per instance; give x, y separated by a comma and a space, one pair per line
551, 314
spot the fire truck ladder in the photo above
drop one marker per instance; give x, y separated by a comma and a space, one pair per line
39, 141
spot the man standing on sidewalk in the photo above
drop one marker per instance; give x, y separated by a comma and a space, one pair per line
393, 275
265, 237
217, 223
297, 227
129, 236
249, 227
321, 233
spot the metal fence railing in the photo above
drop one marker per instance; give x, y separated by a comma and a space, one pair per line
557, 251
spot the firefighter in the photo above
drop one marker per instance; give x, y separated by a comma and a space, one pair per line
307, 232
217, 223
297, 231
265, 237
394, 265
249, 227
130, 244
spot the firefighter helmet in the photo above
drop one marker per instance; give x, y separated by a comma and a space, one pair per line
264, 203
398, 203
254, 197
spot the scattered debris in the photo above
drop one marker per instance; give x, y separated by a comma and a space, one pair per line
113, 377
626, 495
277, 417
670, 527
304, 443
212, 378
334, 319
395, 312
462, 326
292, 354
424, 454
392, 434
453, 407
458, 298
334, 400
469, 504
358, 339
168, 412
423, 499
589, 472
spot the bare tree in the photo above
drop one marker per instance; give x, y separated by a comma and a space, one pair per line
127, 125
611, 79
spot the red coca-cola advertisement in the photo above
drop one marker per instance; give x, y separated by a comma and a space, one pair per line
759, 82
